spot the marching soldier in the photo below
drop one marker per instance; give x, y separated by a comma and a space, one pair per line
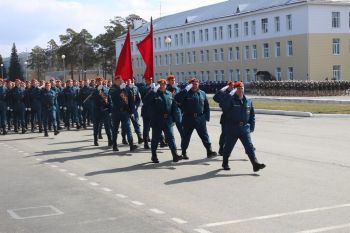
49, 103
146, 113
3, 106
164, 114
70, 104
27, 107
240, 122
60, 99
9, 112
174, 89
121, 110
101, 109
218, 98
86, 107
35, 105
195, 106
17, 105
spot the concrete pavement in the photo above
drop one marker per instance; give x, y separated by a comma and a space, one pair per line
305, 186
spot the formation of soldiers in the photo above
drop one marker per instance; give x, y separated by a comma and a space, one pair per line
54, 106
300, 88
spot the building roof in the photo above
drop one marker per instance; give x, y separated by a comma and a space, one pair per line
214, 11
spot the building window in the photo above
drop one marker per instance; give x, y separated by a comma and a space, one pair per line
246, 28
216, 75
255, 71
247, 75
253, 26
277, 24
207, 56
193, 37
238, 75
177, 59
159, 43
254, 52
222, 54
336, 47
289, 22
202, 57
176, 40
188, 39
229, 31
349, 19
160, 60
278, 74
181, 58
290, 73
155, 43
206, 34
246, 52
337, 72
264, 25
289, 48
181, 39
215, 33
216, 55
193, 57
335, 19
230, 54
201, 35
207, 76
266, 50
238, 54
278, 49
221, 33
189, 58
231, 74
222, 75
236, 30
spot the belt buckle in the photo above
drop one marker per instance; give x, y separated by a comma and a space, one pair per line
195, 114
240, 123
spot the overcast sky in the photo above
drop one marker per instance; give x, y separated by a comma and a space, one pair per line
34, 22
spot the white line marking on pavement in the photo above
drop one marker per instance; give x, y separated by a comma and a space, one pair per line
121, 195
94, 184
82, 178
72, 174
156, 211
46, 163
63, 170
107, 189
275, 215
54, 166
21, 151
200, 230
137, 203
14, 212
37, 159
326, 228
179, 220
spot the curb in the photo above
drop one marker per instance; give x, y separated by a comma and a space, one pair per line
275, 112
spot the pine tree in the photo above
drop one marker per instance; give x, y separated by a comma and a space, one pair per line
3, 71
15, 71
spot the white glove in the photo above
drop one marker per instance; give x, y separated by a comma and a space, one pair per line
122, 86
153, 85
131, 85
224, 88
99, 87
11, 110
233, 92
175, 85
155, 89
189, 86
60, 107
26, 109
29, 109
64, 108
8, 108
81, 108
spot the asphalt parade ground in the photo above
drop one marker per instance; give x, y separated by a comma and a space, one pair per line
65, 184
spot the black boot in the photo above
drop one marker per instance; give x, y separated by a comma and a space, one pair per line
184, 155
211, 153
115, 147
225, 165
176, 157
95, 141
24, 130
140, 139
100, 136
154, 157
45, 133
40, 129
110, 143
55, 131
124, 141
78, 126
4, 132
256, 165
132, 146
221, 150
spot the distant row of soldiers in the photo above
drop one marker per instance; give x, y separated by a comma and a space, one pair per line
300, 88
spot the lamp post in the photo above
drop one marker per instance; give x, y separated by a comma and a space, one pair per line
26, 64
168, 42
2, 71
64, 67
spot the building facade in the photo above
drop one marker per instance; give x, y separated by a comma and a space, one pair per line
233, 40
